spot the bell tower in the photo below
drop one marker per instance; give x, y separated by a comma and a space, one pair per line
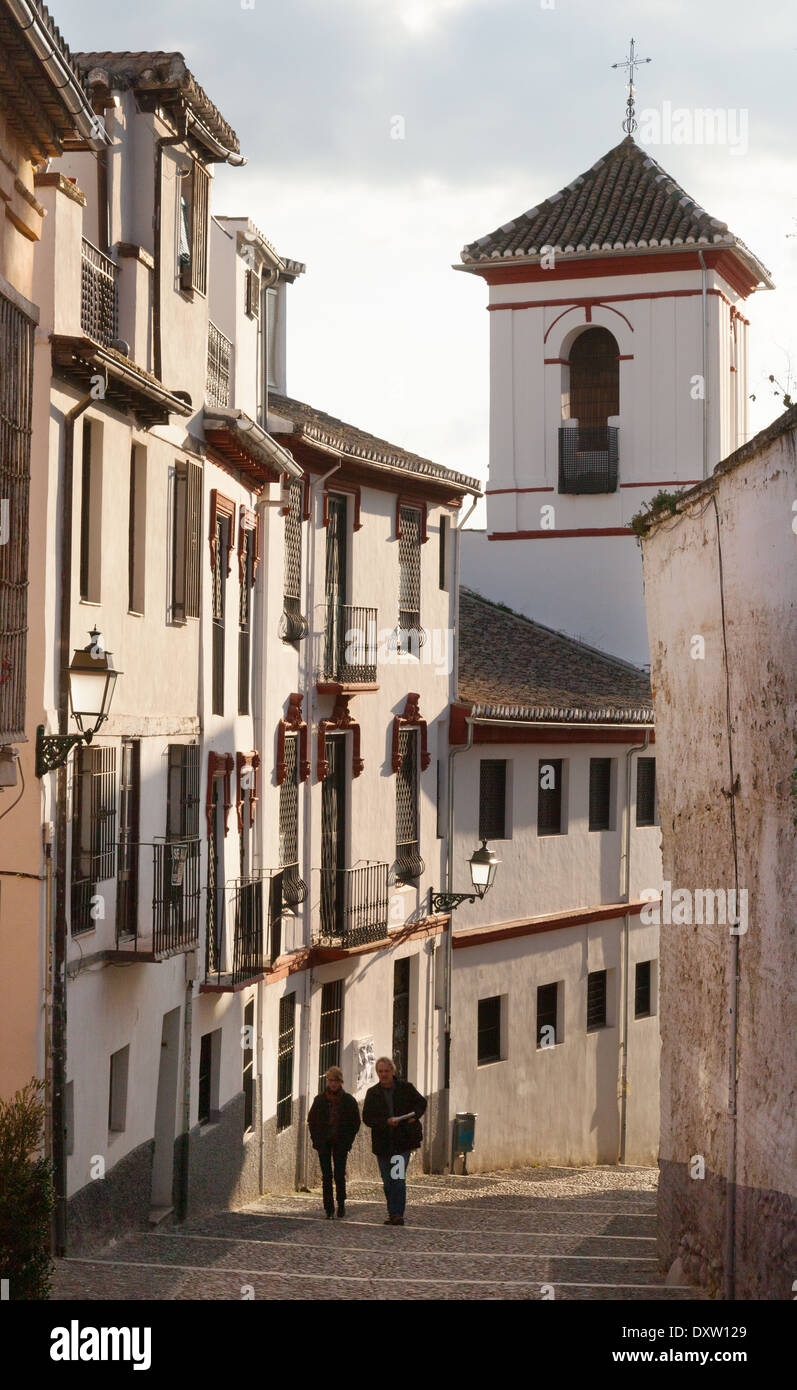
618, 368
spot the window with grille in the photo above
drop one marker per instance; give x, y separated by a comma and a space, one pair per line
245, 622
596, 999
252, 294
219, 609
409, 622
186, 570
91, 512
285, 1049
193, 232
136, 536
445, 535
409, 864
600, 791
492, 799
331, 1030
93, 830
293, 887
643, 997
182, 792
549, 803
16, 354
646, 791
489, 1030
547, 1004
294, 625
401, 1016
248, 1074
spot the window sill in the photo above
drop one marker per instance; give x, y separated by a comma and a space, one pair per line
91, 602
492, 1062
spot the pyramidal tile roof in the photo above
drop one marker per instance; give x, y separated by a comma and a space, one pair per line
626, 201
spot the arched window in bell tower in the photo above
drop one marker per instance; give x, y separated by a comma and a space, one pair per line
588, 445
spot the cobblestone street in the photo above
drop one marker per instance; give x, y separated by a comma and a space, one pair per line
590, 1233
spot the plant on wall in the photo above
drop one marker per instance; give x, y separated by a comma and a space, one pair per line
26, 1196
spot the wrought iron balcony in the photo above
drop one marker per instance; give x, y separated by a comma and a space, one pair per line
350, 644
354, 905
98, 295
173, 925
588, 456
242, 930
217, 385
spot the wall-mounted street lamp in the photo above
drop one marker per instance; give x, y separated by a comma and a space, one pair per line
483, 864
92, 679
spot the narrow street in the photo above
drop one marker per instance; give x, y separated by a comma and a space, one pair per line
589, 1233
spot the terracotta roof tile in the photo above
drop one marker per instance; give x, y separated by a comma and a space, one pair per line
161, 72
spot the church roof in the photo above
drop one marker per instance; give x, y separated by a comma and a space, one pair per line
513, 668
625, 202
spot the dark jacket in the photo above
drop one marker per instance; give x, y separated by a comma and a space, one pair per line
318, 1120
393, 1139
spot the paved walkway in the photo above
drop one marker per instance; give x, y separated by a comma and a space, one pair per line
586, 1233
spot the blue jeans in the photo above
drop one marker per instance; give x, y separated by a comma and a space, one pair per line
395, 1186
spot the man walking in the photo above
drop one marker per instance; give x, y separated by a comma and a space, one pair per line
334, 1120
392, 1111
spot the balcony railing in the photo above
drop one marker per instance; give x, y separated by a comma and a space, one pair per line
588, 456
243, 929
217, 386
98, 295
350, 645
176, 895
354, 904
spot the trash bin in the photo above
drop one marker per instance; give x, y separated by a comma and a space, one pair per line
464, 1137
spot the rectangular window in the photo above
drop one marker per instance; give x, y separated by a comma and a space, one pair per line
293, 625
646, 791
547, 1005
186, 570
642, 989
600, 790
209, 1058
117, 1090
248, 1078
549, 804
441, 799
91, 512
193, 238
272, 343
293, 887
93, 829
182, 794
136, 534
492, 799
331, 1030
596, 999
401, 1016
252, 294
411, 525
16, 354
445, 536
127, 856
409, 864
245, 621
489, 1030
219, 599
285, 1046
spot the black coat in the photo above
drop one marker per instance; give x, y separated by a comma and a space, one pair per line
318, 1120
393, 1139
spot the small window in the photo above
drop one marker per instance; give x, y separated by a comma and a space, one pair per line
91, 512
596, 999
248, 1078
331, 1029
293, 625
186, 570
492, 799
93, 831
600, 793
411, 521
646, 791
642, 989
209, 1053
445, 537
137, 523
549, 804
117, 1091
182, 792
252, 294
547, 1004
489, 1030
192, 256
285, 1048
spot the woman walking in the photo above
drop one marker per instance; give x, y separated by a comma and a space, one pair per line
334, 1120
392, 1111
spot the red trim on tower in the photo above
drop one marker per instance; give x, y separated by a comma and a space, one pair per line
733, 271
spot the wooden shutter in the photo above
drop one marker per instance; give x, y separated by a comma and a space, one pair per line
596, 999
199, 229
600, 784
549, 804
646, 791
492, 799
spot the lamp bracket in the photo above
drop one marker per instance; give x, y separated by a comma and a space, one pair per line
446, 902
52, 750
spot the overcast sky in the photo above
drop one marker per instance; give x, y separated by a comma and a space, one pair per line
503, 102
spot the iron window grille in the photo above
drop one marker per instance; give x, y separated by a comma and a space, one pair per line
248, 1068
245, 622
549, 804
492, 799
186, 569
219, 598
182, 792
489, 1030
177, 895
285, 1049
93, 830
236, 945
193, 262
646, 791
600, 788
127, 856
294, 889
354, 904
547, 1000
90, 514
596, 999
588, 458
16, 396
350, 649
217, 382
642, 989
410, 636
331, 1029
409, 864
98, 295
293, 624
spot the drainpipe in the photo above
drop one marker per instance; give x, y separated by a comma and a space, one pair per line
59, 1001
704, 301
624, 962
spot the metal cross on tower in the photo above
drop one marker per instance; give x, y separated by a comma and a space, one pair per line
631, 62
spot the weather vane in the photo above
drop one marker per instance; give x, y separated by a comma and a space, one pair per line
631, 62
